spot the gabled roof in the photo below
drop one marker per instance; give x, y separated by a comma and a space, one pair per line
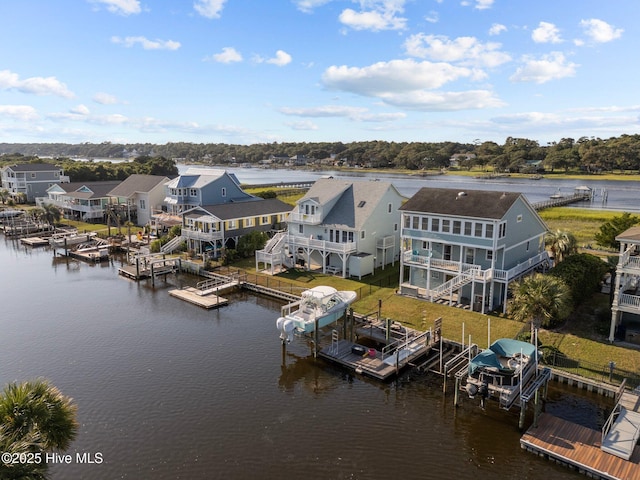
356, 200
631, 235
34, 167
250, 208
88, 189
199, 177
137, 183
454, 202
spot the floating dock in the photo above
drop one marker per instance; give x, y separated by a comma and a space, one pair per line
579, 448
35, 241
194, 296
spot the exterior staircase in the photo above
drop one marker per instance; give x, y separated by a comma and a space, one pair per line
172, 244
454, 284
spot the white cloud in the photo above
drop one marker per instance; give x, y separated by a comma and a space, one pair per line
482, 4
304, 125
80, 110
209, 8
105, 98
432, 17
600, 31
34, 85
549, 67
281, 59
444, 101
497, 29
393, 76
372, 20
465, 50
228, 55
546, 33
307, 6
146, 43
121, 7
18, 112
353, 113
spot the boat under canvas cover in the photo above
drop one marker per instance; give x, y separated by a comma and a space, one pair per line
503, 348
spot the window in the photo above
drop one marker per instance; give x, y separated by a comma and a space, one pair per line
415, 222
447, 252
395, 227
527, 246
224, 192
362, 203
264, 220
301, 229
478, 230
489, 255
362, 234
193, 192
143, 204
407, 221
425, 245
33, 175
389, 207
467, 229
435, 224
232, 225
446, 225
456, 227
488, 231
425, 223
435, 275
249, 222
502, 230
519, 218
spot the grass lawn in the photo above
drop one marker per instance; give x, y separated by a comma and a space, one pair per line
582, 222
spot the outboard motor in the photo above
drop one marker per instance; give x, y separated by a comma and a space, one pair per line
286, 327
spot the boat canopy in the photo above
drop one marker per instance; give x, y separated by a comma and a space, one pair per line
505, 347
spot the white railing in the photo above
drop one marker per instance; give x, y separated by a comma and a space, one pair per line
528, 265
305, 218
305, 242
203, 236
171, 245
626, 300
630, 259
454, 284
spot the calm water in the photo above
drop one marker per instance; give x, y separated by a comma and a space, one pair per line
620, 195
166, 390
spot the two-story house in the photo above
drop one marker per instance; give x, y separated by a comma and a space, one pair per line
81, 201
31, 179
138, 196
347, 228
465, 248
202, 186
212, 227
625, 309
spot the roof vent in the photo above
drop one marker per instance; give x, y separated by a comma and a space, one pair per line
462, 194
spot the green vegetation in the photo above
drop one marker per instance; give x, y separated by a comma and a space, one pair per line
35, 419
581, 222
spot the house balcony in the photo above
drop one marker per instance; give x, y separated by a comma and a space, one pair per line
629, 261
448, 266
202, 236
315, 219
296, 241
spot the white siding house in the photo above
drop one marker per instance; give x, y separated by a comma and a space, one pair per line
625, 309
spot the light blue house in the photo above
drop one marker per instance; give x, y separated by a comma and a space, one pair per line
340, 227
625, 309
203, 186
31, 179
465, 248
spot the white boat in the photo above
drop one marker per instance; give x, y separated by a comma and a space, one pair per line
502, 370
70, 239
319, 306
92, 251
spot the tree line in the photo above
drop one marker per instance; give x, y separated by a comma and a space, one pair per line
514, 155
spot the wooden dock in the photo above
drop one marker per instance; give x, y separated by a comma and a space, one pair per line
195, 296
35, 241
578, 447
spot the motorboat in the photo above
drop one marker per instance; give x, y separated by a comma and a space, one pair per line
318, 307
62, 240
502, 371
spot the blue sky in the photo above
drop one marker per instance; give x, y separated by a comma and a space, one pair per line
258, 71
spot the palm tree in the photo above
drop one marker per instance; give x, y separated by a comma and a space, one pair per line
561, 243
35, 418
540, 299
52, 214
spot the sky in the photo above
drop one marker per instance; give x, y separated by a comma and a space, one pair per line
263, 71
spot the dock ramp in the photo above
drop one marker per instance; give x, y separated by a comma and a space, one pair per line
621, 432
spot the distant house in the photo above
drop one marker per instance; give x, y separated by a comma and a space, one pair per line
202, 186
466, 248
458, 159
139, 195
31, 179
209, 228
86, 202
625, 309
348, 228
